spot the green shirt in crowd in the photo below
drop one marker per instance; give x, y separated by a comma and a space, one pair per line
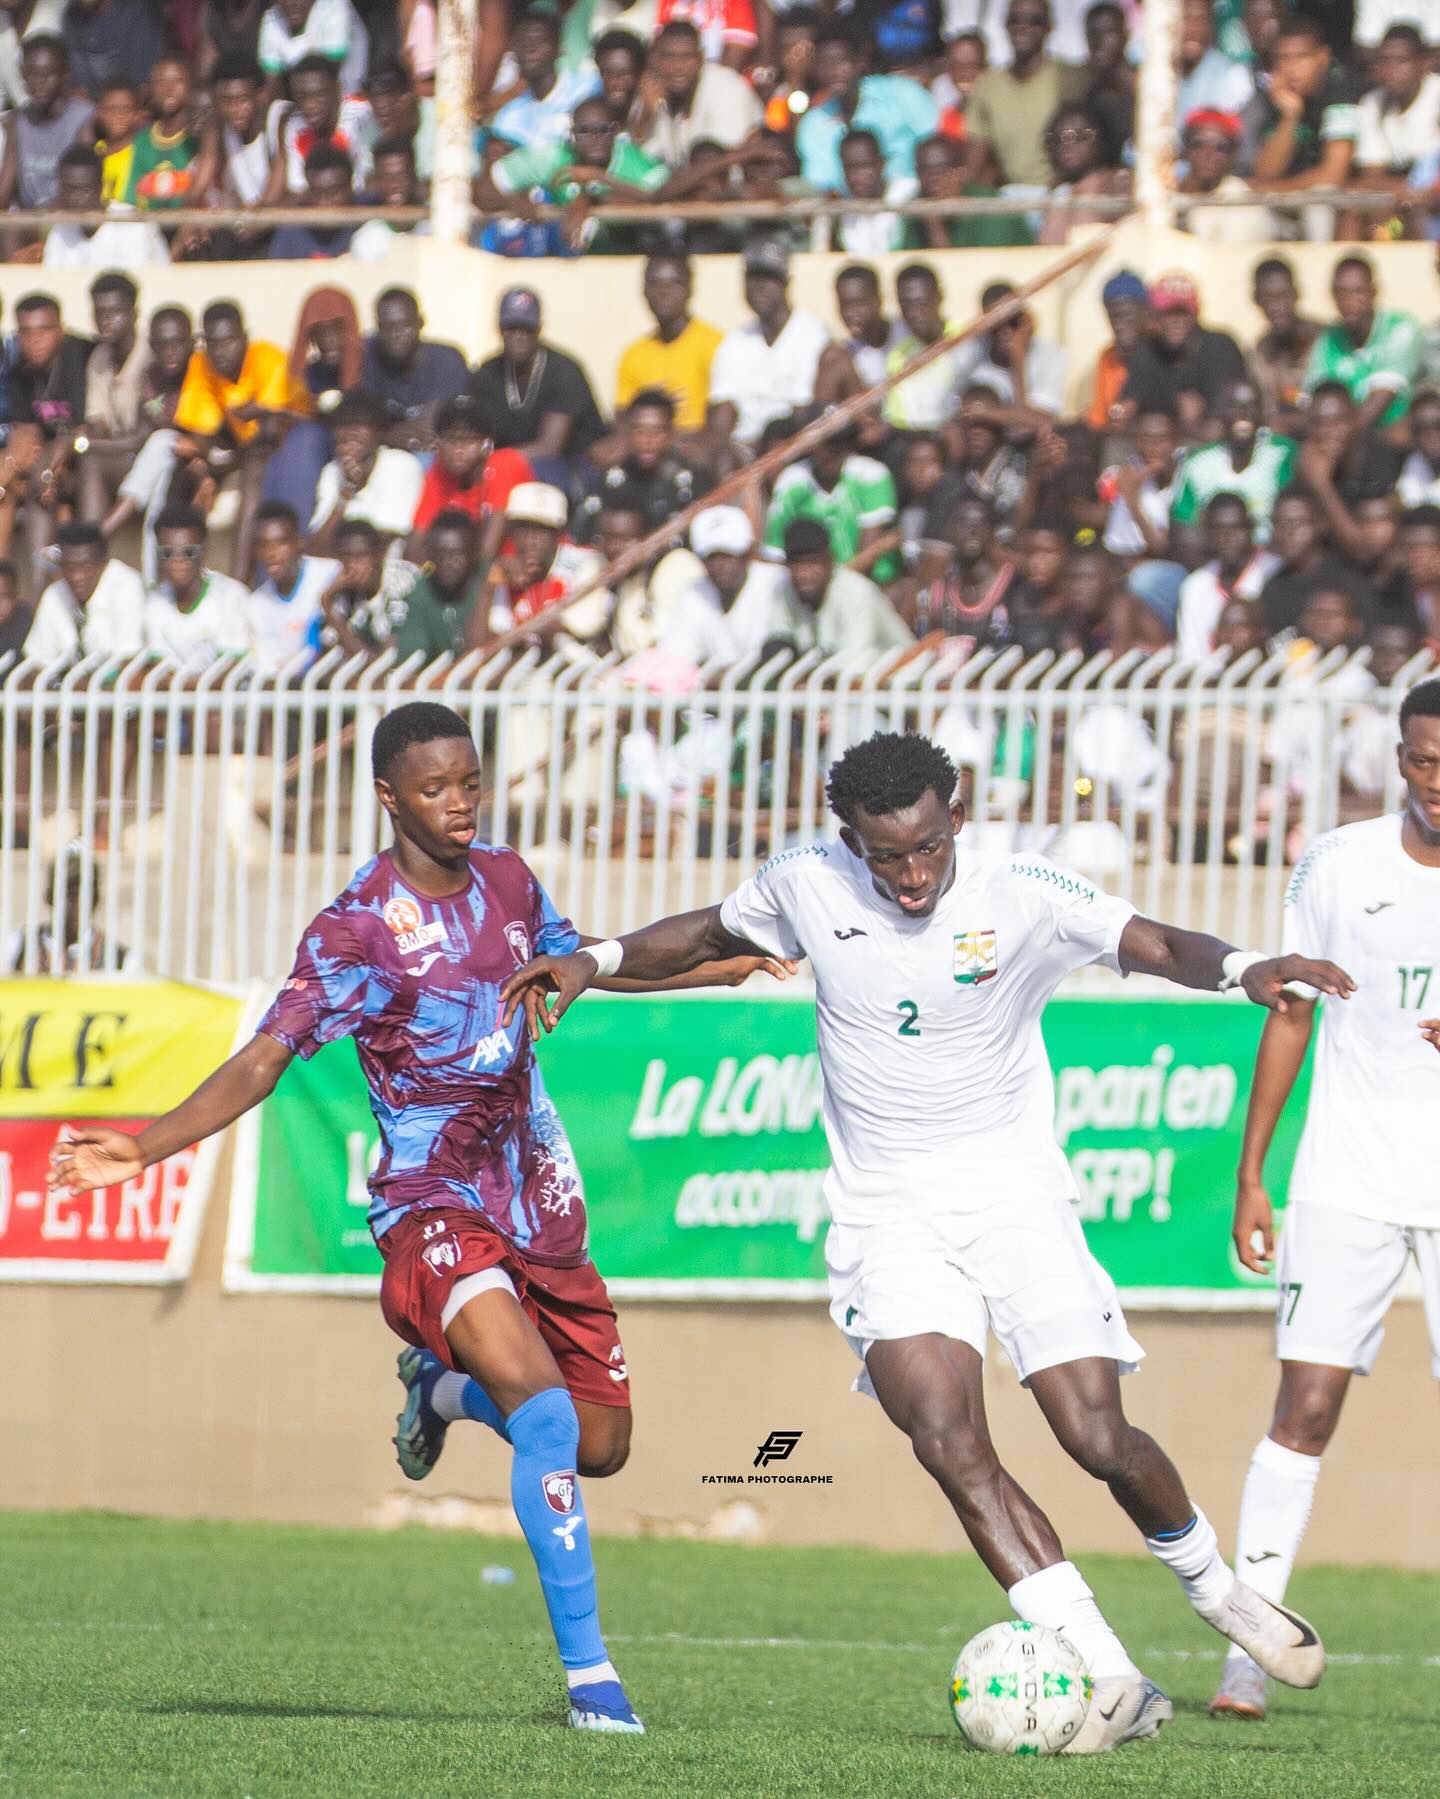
1207, 471
542, 167
1389, 358
863, 497
433, 624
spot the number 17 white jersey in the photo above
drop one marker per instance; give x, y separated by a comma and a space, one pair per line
1360, 899
936, 1079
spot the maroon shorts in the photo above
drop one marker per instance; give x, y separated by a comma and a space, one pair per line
425, 1254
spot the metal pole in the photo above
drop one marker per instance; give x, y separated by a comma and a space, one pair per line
450, 204
1155, 121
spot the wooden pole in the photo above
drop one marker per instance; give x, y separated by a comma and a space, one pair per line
450, 203
836, 419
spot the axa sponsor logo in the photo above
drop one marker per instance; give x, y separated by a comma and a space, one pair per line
494, 1048
559, 1490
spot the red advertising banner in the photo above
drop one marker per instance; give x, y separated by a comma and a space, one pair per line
118, 1053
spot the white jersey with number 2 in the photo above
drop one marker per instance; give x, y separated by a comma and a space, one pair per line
935, 1073
1359, 899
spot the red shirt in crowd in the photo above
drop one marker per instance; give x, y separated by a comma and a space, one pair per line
440, 492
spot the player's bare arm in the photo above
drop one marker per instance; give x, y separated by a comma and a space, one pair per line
731, 971
1192, 959
99, 1155
1283, 1044
672, 947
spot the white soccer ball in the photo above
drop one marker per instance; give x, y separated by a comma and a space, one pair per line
1020, 1689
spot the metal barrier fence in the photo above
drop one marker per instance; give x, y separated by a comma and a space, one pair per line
191, 825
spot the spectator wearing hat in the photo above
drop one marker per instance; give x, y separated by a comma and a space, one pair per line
839, 611
1373, 352
1126, 300
1183, 365
540, 569
413, 375
897, 112
699, 101
766, 368
677, 355
851, 496
1211, 140
367, 479
738, 605
468, 475
534, 398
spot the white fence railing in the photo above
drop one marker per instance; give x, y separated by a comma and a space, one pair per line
190, 825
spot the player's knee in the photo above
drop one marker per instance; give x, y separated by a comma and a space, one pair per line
1103, 1446
1305, 1422
957, 1454
604, 1451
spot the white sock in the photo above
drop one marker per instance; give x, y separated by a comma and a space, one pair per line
445, 1396
1059, 1598
1274, 1510
1195, 1560
584, 1677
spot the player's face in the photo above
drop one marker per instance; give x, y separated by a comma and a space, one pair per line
1420, 770
910, 854
432, 794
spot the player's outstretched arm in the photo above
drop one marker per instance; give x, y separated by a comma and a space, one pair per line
733, 971
671, 947
1283, 1043
1191, 959
99, 1156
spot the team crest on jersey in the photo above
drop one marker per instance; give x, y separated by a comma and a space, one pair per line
519, 940
401, 914
559, 1490
976, 958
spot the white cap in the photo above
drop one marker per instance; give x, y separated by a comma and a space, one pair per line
535, 503
721, 528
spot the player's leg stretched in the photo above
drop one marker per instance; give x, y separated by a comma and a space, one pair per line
1275, 1507
492, 1339
931, 1388
1081, 1403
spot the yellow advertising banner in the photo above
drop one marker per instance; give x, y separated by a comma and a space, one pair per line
118, 1052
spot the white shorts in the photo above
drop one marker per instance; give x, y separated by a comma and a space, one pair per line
1336, 1275
1019, 1266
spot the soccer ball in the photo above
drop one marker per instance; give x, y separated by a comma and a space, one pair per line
1020, 1689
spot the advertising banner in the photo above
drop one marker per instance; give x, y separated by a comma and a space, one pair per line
118, 1052
696, 1121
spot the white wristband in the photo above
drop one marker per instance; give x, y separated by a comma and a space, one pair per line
608, 956
1233, 967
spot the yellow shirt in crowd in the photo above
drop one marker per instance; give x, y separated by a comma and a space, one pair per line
208, 401
681, 368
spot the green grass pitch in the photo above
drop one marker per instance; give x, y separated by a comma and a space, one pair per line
139, 1657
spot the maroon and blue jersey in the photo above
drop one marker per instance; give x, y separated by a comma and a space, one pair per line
463, 1113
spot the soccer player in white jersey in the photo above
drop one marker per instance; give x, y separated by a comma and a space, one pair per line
1364, 1194
951, 1203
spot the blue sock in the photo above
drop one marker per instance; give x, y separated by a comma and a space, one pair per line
482, 1408
546, 1495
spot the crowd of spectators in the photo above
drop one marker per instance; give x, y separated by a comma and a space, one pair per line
143, 107
382, 494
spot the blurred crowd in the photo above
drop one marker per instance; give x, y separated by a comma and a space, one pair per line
380, 493
141, 107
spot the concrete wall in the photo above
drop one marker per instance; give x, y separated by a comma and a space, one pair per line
191, 1403
593, 308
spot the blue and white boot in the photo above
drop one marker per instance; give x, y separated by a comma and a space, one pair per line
602, 1705
420, 1435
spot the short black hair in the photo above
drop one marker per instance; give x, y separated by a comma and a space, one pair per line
858, 134
1427, 516
113, 282
45, 40
453, 518
461, 414
236, 68
220, 310
325, 157
80, 156
396, 144
1363, 263
653, 399
315, 64
1297, 24
539, 15
917, 271
1421, 702
81, 534
421, 721
1274, 265
359, 527
1407, 35
37, 303
277, 512
859, 271
806, 537
889, 773
404, 295
182, 518
1227, 498
360, 408
677, 28
618, 40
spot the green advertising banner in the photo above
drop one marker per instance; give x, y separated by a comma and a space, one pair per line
696, 1121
